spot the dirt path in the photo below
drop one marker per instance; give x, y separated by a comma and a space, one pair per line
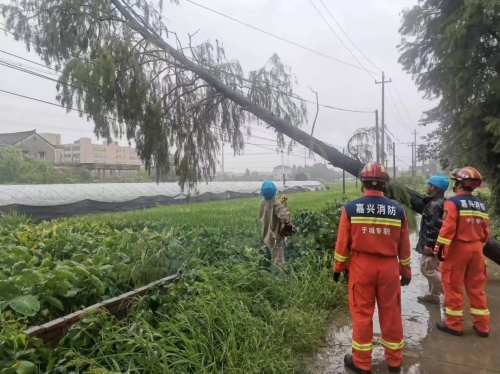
427, 350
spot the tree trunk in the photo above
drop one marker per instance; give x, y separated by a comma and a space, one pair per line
335, 157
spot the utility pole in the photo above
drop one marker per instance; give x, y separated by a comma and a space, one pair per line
377, 139
394, 160
383, 82
222, 176
415, 145
413, 159
343, 176
283, 168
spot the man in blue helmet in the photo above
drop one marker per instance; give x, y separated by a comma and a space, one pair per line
432, 220
273, 215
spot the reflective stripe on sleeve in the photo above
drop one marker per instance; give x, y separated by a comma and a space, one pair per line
442, 240
405, 261
457, 313
362, 347
393, 346
340, 258
480, 312
376, 221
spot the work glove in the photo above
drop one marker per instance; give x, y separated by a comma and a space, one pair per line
336, 276
438, 251
428, 251
405, 281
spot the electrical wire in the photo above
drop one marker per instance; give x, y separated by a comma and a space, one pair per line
341, 41
402, 103
81, 111
347, 36
277, 37
45, 77
402, 161
273, 88
395, 107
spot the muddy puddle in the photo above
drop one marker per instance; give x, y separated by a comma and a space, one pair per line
427, 350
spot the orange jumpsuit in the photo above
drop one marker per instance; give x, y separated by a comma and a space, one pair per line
464, 232
373, 235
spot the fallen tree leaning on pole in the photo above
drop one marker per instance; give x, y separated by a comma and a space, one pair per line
336, 158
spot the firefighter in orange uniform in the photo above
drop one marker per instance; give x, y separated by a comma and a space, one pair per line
459, 246
373, 235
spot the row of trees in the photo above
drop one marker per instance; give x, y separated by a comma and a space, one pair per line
452, 49
15, 169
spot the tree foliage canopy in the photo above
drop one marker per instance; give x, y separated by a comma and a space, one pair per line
18, 169
362, 144
451, 48
130, 87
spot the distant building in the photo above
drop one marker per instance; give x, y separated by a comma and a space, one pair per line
278, 173
83, 151
52, 138
32, 144
49, 147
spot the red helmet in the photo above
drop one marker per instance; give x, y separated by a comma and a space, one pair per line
469, 177
374, 172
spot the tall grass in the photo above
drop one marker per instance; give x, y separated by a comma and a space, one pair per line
217, 320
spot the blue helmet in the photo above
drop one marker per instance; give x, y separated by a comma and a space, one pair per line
268, 190
440, 181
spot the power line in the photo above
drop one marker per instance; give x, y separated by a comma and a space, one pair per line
395, 116
395, 107
57, 81
341, 41
390, 132
274, 88
347, 36
51, 79
277, 37
402, 103
82, 111
57, 105
402, 161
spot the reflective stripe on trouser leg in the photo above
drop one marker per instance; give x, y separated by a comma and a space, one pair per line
362, 355
362, 283
362, 347
452, 275
455, 313
475, 280
389, 311
391, 345
480, 312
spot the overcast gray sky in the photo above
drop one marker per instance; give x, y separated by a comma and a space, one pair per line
371, 25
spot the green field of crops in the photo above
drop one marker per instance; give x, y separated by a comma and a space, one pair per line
228, 314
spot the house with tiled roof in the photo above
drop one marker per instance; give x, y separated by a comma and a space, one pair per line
33, 144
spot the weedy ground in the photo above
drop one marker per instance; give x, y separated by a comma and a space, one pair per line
230, 313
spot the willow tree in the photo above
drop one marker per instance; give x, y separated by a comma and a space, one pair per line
130, 87
362, 144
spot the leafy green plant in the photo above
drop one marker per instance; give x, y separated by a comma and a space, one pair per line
227, 314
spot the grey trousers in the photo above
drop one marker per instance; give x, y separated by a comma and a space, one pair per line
429, 267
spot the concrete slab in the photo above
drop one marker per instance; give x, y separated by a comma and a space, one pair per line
427, 350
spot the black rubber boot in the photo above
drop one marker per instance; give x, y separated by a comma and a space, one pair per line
444, 328
482, 334
349, 363
394, 369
